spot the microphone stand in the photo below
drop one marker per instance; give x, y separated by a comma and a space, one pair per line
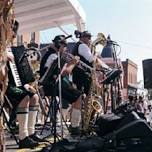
117, 84
60, 92
56, 104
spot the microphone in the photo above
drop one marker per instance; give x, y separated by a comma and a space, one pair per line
68, 37
111, 41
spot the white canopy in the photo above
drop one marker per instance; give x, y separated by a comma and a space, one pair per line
37, 15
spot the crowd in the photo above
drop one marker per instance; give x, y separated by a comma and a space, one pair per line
142, 106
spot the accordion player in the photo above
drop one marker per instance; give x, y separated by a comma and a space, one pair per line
19, 71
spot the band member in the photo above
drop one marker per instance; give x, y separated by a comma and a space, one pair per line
69, 93
81, 78
27, 106
25, 101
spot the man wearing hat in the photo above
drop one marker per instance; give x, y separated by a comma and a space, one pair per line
69, 93
81, 78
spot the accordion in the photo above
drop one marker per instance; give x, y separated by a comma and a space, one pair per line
24, 69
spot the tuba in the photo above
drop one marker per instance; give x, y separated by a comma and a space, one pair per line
93, 104
101, 39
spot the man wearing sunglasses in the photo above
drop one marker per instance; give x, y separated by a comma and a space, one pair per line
50, 86
82, 78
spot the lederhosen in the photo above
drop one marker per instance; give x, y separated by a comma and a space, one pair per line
69, 93
81, 78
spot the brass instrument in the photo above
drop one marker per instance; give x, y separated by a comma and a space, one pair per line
92, 107
33, 56
68, 57
101, 39
93, 103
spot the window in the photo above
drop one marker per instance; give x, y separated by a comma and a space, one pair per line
19, 40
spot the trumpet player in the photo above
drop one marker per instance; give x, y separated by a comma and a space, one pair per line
69, 93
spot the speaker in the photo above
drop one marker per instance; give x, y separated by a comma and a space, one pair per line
107, 123
135, 136
147, 73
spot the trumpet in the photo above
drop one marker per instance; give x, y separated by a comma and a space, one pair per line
69, 57
65, 57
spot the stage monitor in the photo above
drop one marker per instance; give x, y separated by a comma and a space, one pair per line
147, 73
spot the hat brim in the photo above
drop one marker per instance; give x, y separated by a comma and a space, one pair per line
87, 35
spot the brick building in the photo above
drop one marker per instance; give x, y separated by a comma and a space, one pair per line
130, 78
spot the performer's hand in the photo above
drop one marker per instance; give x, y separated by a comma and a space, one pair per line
10, 56
75, 60
29, 88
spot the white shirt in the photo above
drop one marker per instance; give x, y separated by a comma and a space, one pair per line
85, 51
50, 60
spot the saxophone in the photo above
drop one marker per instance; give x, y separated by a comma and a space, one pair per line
93, 103
92, 107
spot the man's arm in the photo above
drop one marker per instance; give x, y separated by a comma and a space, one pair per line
68, 67
101, 64
85, 51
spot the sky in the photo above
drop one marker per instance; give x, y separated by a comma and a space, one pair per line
129, 23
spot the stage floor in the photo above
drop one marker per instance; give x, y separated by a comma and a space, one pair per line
11, 145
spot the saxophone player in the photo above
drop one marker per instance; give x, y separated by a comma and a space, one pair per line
82, 78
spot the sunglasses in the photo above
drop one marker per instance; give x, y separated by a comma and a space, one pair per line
89, 37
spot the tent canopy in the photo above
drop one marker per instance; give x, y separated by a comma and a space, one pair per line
37, 15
